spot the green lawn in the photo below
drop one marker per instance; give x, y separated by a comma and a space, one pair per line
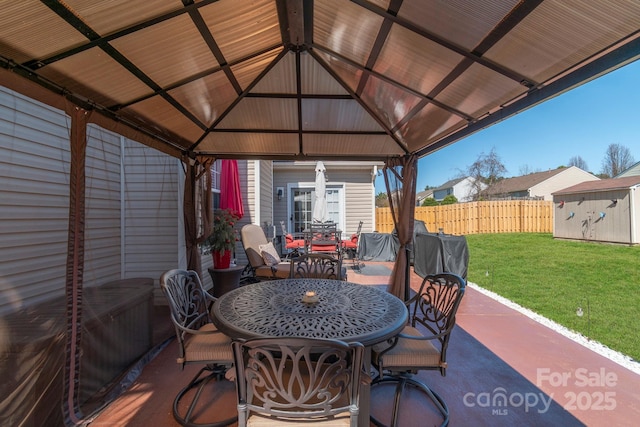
554, 277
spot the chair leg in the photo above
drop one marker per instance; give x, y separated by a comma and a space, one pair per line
402, 382
356, 261
216, 373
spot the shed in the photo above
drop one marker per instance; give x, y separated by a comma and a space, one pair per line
607, 210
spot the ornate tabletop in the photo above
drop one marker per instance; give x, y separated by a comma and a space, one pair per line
345, 311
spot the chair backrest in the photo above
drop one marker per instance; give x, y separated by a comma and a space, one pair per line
316, 266
323, 237
252, 237
436, 305
358, 232
297, 378
187, 300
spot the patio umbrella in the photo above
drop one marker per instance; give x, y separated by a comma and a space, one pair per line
320, 207
230, 193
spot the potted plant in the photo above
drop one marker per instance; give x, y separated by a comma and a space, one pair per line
222, 240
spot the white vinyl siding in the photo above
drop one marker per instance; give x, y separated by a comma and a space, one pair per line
34, 201
132, 205
151, 213
102, 226
568, 177
357, 186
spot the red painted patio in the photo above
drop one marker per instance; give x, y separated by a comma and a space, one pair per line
505, 369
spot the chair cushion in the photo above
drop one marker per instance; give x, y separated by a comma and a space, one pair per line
258, 420
208, 347
350, 244
296, 244
279, 271
292, 243
323, 248
409, 353
269, 254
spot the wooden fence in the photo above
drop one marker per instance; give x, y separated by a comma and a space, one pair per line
508, 216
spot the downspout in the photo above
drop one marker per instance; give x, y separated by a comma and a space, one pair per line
123, 213
256, 187
632, 214
374, 174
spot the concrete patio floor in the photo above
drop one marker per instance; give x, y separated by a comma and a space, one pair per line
505, 369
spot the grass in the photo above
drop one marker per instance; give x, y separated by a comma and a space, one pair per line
555, 277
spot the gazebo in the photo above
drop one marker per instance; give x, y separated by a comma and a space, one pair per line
390, 81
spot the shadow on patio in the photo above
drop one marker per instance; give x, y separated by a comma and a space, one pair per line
504, 369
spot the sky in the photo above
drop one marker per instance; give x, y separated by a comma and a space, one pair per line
581, 122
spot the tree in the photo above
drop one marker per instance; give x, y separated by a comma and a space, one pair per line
485, 171
381, 200
449, 199
617, 158
578, 162
525, 170
430, 201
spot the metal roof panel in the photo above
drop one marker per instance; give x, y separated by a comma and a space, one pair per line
241, 28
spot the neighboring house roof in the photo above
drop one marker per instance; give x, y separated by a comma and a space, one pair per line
449, 184
634, 170
461, 188
601, 185
540, 185
521, 183
420, 196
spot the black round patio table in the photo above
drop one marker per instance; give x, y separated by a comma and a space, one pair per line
344, 311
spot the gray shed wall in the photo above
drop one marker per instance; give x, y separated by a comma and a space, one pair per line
586, 223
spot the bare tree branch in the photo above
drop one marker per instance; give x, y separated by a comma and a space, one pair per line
617, 159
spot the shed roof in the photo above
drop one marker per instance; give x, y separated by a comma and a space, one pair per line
297, 79
601, 185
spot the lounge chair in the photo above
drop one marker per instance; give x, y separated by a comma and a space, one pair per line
264, 260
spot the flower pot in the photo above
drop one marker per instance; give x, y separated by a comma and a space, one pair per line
221, 259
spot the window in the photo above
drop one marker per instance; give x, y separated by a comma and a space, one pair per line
216, 168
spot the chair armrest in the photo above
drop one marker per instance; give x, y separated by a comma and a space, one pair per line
422, 337
411, 300
365, 377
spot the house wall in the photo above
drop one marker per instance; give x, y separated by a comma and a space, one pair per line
266, 198
632, 171
34, 200
132, 205
586, 223
634, 214
441, 194
359, 193
153, 238
463, 190
255, 184
570, 176
248, 170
